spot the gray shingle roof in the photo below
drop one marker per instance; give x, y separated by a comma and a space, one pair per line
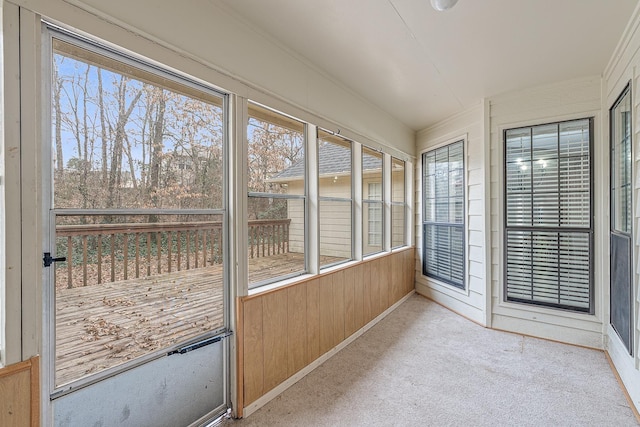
334, 159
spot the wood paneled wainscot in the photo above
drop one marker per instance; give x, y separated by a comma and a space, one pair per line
282, 331
19, 394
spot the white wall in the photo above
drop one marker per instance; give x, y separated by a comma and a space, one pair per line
561, 101
469, 126
624, 68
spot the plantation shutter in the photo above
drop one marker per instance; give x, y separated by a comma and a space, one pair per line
548, 215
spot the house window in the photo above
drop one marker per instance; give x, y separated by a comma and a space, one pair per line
443, 215
398, 205
276, 196
548, 232
375, 214
372, 202
336, 199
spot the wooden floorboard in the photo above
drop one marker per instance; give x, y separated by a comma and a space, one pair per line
102, 326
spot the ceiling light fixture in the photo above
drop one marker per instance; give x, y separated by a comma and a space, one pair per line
441, 5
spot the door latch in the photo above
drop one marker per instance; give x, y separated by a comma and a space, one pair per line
48, 259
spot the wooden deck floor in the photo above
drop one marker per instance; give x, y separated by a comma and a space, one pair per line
102, 326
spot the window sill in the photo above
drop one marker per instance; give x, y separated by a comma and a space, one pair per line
508, 308
430, 281
375, 255
280, 284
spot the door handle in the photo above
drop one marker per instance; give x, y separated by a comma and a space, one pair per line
48, 259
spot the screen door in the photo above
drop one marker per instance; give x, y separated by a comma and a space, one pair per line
135, 260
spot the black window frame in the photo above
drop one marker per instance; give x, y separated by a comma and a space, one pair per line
550, 229
462, 226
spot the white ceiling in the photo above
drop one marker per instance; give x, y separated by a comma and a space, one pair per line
422, 66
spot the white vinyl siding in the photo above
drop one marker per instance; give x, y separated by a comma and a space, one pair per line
375, 215
373, 201
558, 102
468, 126
335, 204
620, 72
398, 204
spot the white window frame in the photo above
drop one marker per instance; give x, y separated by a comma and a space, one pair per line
281, 280
350, 199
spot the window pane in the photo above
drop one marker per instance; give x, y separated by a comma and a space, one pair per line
275, 152
132, 285
545, 142
397, 180
444, 253
550, 268
372, 216
335, 231
276, 164
126, 138
518, 145
574, 269
574, 138
621, 185
334, 165
372, 227
397, 225
276, 239
519, 267
371, 173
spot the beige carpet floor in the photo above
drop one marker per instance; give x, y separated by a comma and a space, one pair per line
426, 366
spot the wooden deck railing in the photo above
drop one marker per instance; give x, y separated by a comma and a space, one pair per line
102, 253
268, 237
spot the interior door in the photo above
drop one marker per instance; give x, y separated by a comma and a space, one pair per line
135, 260
621, 290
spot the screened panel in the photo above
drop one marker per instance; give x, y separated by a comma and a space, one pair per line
276, 156
334, 166
335, 231
158, 147
621, 185
397, 225
335, 204
372, 227
548, 214
371, 171
276, 247
397, 180
443, 214
137, 209
130, 286
398, 205
276, 196
621, 207
373, 206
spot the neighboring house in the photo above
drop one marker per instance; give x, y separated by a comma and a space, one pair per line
334, 163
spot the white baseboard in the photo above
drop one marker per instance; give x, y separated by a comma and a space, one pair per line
248, 410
